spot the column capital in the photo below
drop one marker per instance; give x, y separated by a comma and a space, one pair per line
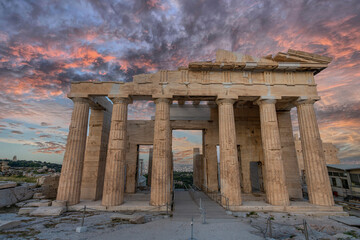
266, 100
225, 101
121, 100
306, 100
164, 100
80, 99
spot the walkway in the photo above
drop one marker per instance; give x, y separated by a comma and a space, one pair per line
186, 208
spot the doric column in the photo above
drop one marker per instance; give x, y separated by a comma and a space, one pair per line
317, 178
160, 176
150, 166
95, 154
196, 167
293, 181
229, 165
211, 167
276, 192
71, 171
113, 193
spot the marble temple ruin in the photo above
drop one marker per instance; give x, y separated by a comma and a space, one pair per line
245, 105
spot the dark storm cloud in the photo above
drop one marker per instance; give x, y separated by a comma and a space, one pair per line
339, 113
44, 45
16, 132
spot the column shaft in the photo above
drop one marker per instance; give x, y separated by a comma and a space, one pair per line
160, 176
293, 181
72, 168
211, 167
113, 193
317, 178
276, 191
229, 165
95, 155
196, 167
150, 166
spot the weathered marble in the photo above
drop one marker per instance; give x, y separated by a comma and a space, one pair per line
160, 177
72, 168
114, 182
276, 191
229, 166
316, 173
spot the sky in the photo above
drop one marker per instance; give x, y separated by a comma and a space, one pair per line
45, 44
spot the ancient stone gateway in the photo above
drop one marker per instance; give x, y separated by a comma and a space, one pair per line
249, 101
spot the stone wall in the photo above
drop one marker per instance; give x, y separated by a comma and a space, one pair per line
49, 185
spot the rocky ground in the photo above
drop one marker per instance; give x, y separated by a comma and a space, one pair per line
157, 226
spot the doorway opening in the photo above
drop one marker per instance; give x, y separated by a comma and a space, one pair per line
187, 149
143, 166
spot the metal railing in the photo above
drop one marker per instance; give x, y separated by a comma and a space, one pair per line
217, 197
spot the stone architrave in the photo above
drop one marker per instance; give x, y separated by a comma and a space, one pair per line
72, 168
276, 191
229, 165
160, 176
316, 173
114, 183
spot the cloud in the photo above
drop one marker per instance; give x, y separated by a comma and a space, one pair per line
43, 47
45, 136
16, 132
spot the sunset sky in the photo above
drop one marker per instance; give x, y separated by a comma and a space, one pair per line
44, 45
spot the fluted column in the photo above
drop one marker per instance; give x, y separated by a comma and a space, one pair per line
317, 178
292, 175
71, 171
229, 165
95, 155
161, 165
150, 166
276, 191
114, 181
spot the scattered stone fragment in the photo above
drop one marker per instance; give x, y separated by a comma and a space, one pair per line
350, 220
10, 196
41, 203
8, 224
38, 196
7, 184
134, 219
342, 236
59, 203
26, 210
48, 211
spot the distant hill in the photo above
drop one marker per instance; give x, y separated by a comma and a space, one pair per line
34, 164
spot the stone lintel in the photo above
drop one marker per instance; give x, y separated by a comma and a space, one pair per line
118, 95
223, 96
156, 96
77, 95
100, 103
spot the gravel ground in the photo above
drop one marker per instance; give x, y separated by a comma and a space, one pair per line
241, 226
